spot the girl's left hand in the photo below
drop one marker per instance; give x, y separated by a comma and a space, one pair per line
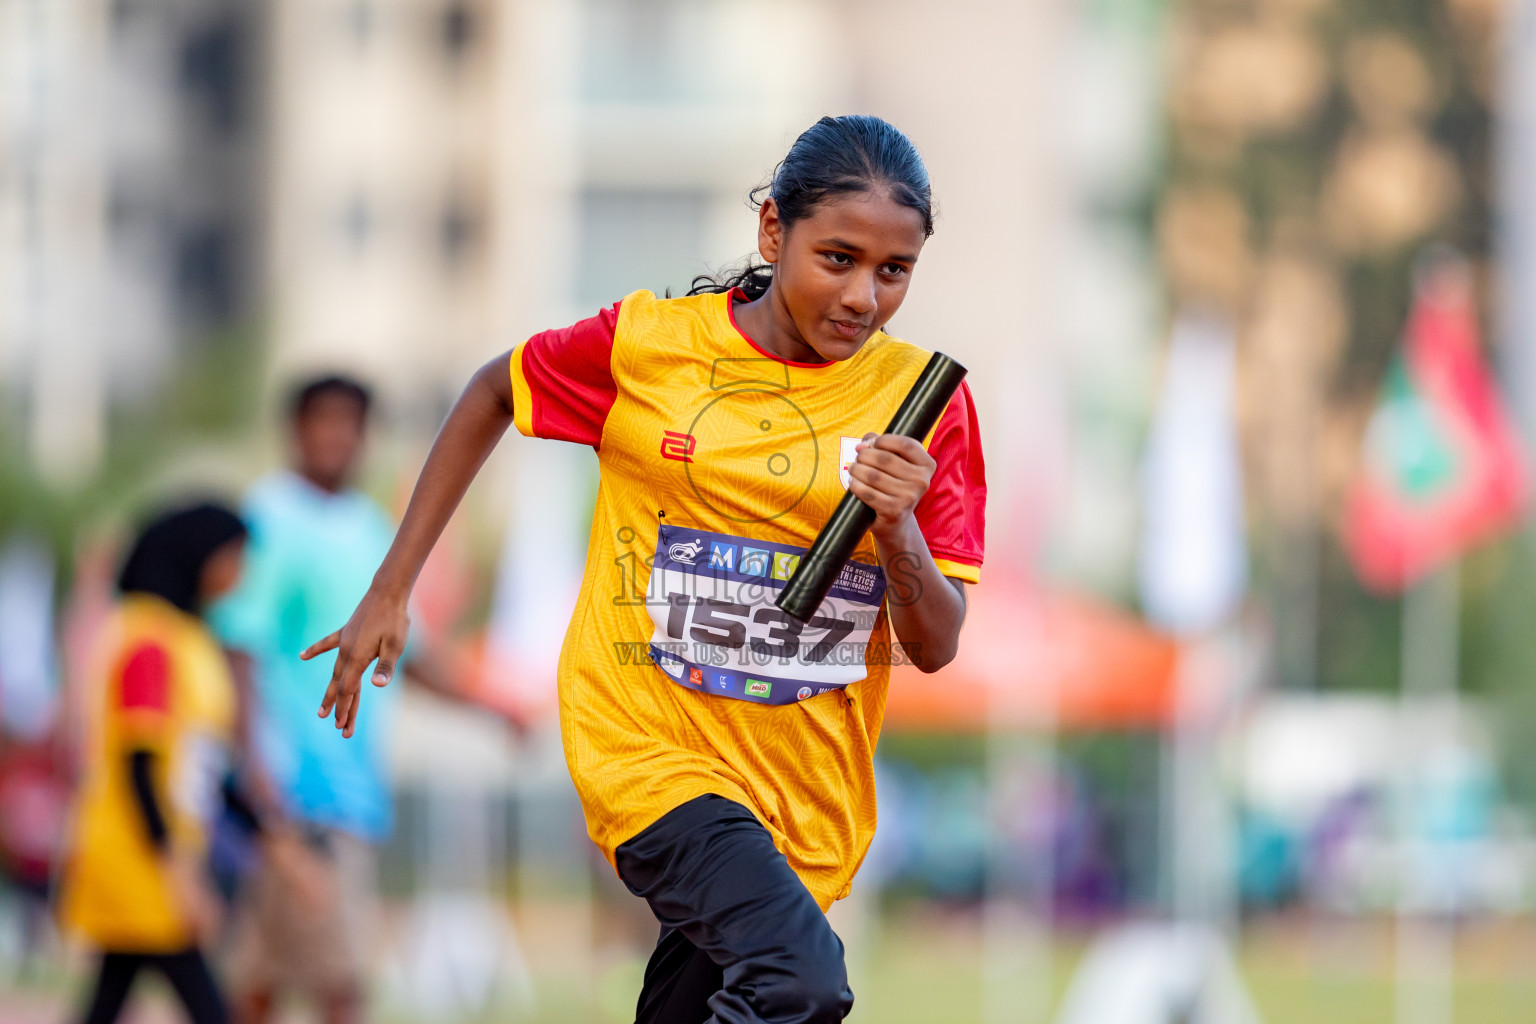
890, 474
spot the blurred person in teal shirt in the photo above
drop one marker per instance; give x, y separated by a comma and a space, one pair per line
315, 541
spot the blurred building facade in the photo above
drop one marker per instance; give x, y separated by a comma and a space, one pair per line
130, 192
447, 177
405, 187
381, 180
450, 177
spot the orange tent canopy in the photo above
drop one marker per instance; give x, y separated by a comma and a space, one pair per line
1033, 659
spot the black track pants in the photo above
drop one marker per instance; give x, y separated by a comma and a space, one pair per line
742, 939
187, 972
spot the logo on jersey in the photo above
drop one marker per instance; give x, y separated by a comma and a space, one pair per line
802, 693
685, 553
696, 676
754, 561
722, 556
758, 688
846, 455
784, 565
723, 681
676, 446
858, 578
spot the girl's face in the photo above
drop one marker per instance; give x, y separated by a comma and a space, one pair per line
221, 572
842, 271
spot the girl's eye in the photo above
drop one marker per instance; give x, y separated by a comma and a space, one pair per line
893, 270
841, 259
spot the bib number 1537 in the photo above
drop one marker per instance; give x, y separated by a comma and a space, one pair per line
761, 629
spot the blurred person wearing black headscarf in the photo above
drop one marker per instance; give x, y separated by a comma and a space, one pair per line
160, 718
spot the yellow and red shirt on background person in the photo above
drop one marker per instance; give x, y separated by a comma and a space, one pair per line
160, 683
716, 449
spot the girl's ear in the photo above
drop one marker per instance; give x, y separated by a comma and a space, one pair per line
770, 231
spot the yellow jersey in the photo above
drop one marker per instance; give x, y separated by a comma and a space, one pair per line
161, 683
718, 465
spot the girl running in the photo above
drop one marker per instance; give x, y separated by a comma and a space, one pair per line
722, 751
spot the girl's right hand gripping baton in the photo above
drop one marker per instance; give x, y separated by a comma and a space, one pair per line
819, 567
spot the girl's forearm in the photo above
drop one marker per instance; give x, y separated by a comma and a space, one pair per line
478, 420
926, 609
376, 632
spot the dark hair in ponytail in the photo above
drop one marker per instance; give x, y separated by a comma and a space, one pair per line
833, 157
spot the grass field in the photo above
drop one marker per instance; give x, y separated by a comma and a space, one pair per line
922, 966
1297, 973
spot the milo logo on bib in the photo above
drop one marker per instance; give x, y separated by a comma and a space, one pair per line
718, 630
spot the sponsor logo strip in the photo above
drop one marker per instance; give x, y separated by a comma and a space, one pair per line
748, 560
742, 684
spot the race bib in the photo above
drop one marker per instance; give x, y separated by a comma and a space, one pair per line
718, 630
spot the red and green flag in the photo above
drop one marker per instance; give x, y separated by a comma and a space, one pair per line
1443, 467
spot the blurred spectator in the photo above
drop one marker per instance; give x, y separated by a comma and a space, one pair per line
28, 692
315, 543
1089, 884
160, 716
1268, 861
34, 797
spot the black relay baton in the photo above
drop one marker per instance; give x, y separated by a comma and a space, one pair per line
820, 566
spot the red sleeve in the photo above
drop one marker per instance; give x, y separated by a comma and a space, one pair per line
562, 381
952, 515
145, 683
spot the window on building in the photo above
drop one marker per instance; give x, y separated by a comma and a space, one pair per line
123, 11
206, 277
459, 26
361, 19
459, 230
644, 51
638, 238
357, 222
212, 71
